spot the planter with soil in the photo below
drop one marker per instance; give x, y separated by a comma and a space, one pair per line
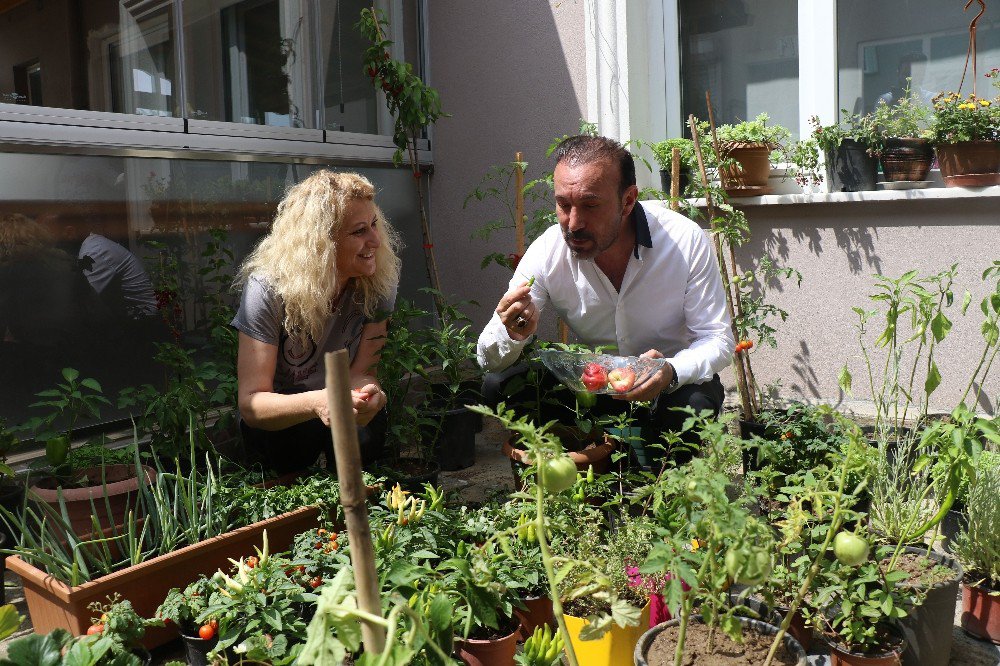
927, 628
850, 168
889, 655
455, 439
906, 159
613, 648
53, 604
537, 613
114, 491
196, 649
495, 649
412, 473
584, 451
657, 646
981, 612
749, 177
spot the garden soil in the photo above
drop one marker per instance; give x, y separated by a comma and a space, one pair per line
753, 651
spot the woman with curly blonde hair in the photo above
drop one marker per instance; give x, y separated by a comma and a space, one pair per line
323, 279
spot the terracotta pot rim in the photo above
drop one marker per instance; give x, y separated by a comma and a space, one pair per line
791, 643
587, 456
481, 641
728, 146
982, 588
51, 495
892, 652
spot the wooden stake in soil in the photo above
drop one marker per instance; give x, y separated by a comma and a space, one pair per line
353, 495
675, 179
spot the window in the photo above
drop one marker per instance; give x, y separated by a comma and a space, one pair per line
881, 44
746, 53
101, 257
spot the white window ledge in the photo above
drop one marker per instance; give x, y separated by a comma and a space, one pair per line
877, 195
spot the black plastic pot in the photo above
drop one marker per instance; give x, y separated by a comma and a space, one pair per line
792, 645
928, 627
953, 523
665, 180
850, 168
469, 393
748, 430
196, 649
455, 446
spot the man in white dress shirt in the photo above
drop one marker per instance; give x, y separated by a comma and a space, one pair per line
621, 273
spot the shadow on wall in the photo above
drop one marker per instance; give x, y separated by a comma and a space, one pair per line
808, 387
857, 243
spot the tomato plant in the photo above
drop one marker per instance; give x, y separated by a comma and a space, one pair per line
560, 474
850, 549
206, 632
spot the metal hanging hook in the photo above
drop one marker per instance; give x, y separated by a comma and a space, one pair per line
971, 53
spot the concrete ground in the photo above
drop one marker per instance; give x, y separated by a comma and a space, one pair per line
491, 473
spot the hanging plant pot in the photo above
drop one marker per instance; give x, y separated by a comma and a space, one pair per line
613, 648
654, 646
491, 652
927, 629
749, 177
981, 612
970, 163
850, 168
906, 159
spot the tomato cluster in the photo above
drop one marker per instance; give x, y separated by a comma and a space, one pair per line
744, 345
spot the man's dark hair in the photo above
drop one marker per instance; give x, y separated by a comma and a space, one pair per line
586, 149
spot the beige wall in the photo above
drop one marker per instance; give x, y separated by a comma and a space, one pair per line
513, 76
837, 248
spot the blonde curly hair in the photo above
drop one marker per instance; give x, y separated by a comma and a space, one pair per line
20, 234
298, 256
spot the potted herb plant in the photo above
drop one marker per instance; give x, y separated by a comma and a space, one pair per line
745, 160
966, 134
847, 147
978, 548
902, 131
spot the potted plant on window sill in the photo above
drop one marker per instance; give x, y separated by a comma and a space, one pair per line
966, 135
903, 138
847, 148
746, 155
663, 154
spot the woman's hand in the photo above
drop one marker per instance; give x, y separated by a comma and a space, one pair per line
368, 400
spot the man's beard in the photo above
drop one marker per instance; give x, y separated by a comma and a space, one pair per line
597, 247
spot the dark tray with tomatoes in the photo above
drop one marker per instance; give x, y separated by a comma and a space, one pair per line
600, 373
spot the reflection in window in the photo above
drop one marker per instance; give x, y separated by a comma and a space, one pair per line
881, 44
348, 95
128, 64
104, 258
746, 53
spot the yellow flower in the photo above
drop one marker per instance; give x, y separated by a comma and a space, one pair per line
984, 102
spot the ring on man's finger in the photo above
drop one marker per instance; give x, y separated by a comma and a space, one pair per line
521, 321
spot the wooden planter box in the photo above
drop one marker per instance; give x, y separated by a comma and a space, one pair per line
53, 604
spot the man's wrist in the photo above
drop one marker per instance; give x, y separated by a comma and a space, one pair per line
673, 378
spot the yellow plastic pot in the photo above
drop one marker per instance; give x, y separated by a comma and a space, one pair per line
614, 648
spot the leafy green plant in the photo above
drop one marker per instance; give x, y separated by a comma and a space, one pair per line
70, 400
858, 127
184, 608
753, 131
120, 624
958, 119
978, 545
663, 153
9, 441
804, 164
907, 117
707, 540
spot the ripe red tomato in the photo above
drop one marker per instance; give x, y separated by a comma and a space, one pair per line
95, 629
315, 582
594, 376
621, 379
206, 632
252, 561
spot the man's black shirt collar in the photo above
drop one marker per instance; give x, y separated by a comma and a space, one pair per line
642, 236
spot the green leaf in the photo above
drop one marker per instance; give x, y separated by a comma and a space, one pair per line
37, 650
624, 614
10, 621
933, 379
844, 380
70, 374
940, 326
91, 384
966, 300
596, 627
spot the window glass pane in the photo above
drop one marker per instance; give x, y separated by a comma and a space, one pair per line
99, 55
101, 257
250, 62
349, 98
880, 44
745, 52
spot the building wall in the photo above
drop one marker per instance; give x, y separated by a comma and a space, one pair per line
513, 76
838, 247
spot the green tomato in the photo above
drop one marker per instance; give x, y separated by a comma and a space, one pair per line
748, 565
850, 549
560, 474
586, 399
57, 450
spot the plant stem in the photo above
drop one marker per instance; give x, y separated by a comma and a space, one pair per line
543, 544
687, 605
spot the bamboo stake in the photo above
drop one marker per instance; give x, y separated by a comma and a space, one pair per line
353, 495
743, 358
519, 203
741, 380
675, 179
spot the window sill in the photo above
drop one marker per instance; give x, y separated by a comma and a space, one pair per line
877, 195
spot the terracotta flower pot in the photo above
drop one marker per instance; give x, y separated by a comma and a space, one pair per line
498, 652
841, 656
599, 456
537, 613
981, 613
118, 483
750, 178
970, 163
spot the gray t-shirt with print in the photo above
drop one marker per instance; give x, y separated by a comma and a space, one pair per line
300, 368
